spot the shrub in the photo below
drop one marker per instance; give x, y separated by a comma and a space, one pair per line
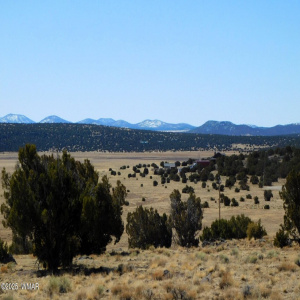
244, 186
204, 184
3, 251
237, 190
239, 225
252, 259
272, 254
211, 177
230, 182
234, 202
235, 228
248, 196
242, 199
61, 206
155, 183
247, 291
20, 245
188, 189
297, 261
226, 201
256, 230
268, 195
267, 206
144, 199
177, 163
281, 239
254, 179
224, 259
218, 229
256, 201
186, 218
145, 228
235, 252
205, 205
202, 256
291, 204
59, 284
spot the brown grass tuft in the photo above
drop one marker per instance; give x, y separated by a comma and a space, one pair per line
81, 295
158, 275
126, 294
116, 289
158, 262
287, 267
4, 269
226, 280
265, 291
275, 296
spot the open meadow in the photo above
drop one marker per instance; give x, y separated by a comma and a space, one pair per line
229, 270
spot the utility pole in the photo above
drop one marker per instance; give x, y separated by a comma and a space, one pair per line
219, 199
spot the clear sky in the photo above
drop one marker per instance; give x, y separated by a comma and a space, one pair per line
177, 61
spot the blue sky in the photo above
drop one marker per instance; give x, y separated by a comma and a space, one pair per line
177, 61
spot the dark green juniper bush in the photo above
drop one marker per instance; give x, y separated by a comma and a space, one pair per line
61, 207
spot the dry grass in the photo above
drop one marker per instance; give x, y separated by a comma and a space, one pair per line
287, 267
235, 270
186, 274
226, 280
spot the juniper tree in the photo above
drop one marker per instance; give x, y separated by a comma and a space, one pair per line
186, 218
268, 195
60, 206
145, 228
290, 195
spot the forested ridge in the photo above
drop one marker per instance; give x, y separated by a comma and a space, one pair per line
81, 137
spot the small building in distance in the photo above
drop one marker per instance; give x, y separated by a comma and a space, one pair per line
203, 162
169, 165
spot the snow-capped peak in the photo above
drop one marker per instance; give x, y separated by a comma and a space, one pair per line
54, 119
15, 118
151, 123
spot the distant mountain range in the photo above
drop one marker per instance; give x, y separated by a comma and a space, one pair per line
228, 128
155, 125
210, 127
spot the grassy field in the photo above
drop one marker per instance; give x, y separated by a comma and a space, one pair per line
233, 270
